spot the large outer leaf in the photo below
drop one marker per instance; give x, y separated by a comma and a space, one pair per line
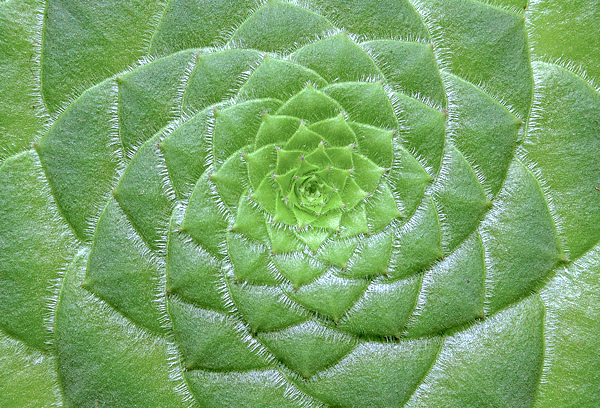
145, 146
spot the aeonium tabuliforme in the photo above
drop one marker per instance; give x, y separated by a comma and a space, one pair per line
227, 203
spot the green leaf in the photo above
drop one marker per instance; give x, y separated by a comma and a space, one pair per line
34, 247
119, 259
196, 24
265, 307
337, 58
486, 45
28, 377
418, 243
384, 308
308, 348
475, 366
224, 345
263, 388
452, 292
387, 18
249, 260
335, 131
573, 23
107, 358
520, 238
272, 25
297, 268
359, 375
424, 130
21, 109
185, 264
409, 67
228, 136
556, 150
371, 257
365, 103
481, 122
145, 195
216, 76
204, 220
231, 179
572, 308
162, 79
80, 156
461, 199
84, 43
185, 153
311, 105
342, 293
278, 79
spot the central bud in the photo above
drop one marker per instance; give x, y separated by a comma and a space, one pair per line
308, 174
311, 192
309, 181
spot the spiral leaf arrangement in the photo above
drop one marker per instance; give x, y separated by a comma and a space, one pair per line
338, 203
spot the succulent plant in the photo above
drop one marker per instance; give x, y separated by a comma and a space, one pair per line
319, 203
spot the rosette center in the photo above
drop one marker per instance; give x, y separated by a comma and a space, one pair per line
311, 192
307, 168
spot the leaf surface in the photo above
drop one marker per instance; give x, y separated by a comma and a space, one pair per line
320, 203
